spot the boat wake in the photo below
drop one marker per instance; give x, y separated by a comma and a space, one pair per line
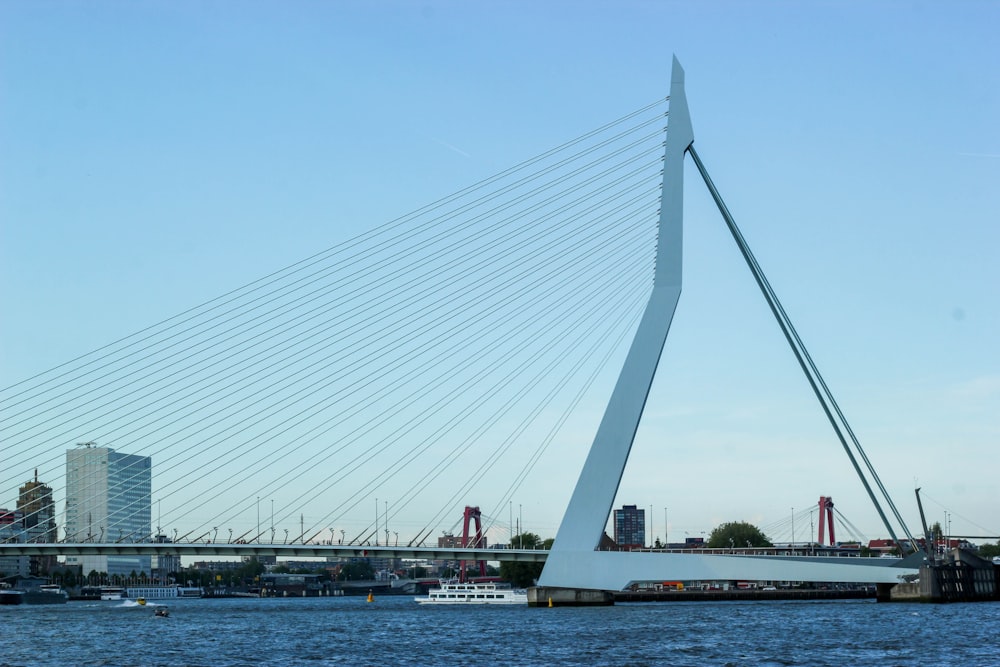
132, 604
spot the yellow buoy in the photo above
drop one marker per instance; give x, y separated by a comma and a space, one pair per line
550, 600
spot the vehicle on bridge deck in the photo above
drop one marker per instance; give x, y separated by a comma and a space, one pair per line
454, 592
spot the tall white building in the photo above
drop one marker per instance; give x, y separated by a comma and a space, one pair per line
108, 499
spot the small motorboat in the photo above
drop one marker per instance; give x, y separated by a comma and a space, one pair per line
161, 612
141, 601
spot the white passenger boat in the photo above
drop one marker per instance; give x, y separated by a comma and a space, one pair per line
152, 592
453, 592
113, 593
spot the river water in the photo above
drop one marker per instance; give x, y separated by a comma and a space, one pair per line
396, 631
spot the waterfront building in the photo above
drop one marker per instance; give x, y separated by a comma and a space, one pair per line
164, 566
449, 541
108, 499
38, 516
266, 561
12, 530
630, 526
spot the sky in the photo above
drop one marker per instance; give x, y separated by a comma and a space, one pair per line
155, 155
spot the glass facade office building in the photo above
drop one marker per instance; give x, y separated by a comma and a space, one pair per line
108, 499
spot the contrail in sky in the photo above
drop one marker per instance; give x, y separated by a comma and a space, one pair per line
457, 150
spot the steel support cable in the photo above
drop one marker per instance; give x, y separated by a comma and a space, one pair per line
790, 336
833, 402
391, 225
462, 447
557, 340
843, 420
592, 208
857, 534
106, 435
359, 401
829, 395
794, 343
540, 449
420, 391
805, 363
787, 524
293, 540
987, 531
447, 234
504, 447
348, 469
417, 393
557, 427
452, 456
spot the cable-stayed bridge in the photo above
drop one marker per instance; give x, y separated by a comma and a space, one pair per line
373, 386
394, 375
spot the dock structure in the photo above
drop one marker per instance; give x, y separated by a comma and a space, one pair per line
961, 576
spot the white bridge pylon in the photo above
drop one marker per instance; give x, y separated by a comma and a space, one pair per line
574, 561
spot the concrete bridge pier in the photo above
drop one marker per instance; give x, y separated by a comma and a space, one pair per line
550, 596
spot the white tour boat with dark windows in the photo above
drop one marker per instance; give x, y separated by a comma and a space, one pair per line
454, 592
161, 592
113, 593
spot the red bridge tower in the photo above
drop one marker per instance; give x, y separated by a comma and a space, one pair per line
825, 513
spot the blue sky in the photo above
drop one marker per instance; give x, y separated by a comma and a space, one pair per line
154, 155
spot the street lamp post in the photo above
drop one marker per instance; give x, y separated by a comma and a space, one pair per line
666, 529
793, 527
520, 526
